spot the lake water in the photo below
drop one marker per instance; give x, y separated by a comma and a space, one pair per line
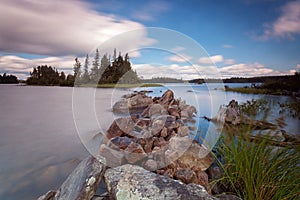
46, 131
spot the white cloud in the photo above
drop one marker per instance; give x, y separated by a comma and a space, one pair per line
227, 46
229, 61
177, 49
188, 72
22, 66
179, 58
211, 59
287, 25
61, 28
250, 70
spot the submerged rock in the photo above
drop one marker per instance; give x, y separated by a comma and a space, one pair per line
134, 182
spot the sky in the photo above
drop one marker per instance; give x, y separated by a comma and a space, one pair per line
180, 39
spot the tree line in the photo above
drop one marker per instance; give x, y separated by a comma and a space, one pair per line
99, 71
8, 79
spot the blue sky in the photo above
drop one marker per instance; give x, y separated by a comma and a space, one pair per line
241, 37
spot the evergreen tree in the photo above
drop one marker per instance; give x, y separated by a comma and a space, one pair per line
77, 68
95, 69
85, 76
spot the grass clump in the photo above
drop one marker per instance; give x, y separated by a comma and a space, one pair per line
258, 171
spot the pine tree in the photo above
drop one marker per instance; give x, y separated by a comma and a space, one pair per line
85, 76
76, 68
95, 69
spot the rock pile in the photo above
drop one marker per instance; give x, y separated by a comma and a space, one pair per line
156, 138
147, 155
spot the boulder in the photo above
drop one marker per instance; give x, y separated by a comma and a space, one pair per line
188, 153
82, 183
113, 157
134, 153
119, 142
186, 176
183, 131
135, 103
167, 97
120, 127
134, 182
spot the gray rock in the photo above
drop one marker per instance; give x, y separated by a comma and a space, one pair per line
82, 183
134, 182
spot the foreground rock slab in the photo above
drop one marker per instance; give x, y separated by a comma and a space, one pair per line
82, 183
134, 182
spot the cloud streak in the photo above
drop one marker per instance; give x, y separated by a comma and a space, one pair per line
60, 28
287, 25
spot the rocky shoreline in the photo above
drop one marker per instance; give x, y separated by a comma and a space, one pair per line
146, 155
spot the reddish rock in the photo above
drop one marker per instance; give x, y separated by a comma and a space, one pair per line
119, 142
183, 131
188, 152
113, 158
150, 165
134, 153
167, 97
164, 132
120, 127
186, 176
174, 111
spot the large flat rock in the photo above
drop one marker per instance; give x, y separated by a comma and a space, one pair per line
134, 182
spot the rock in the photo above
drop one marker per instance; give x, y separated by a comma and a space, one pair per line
188, 111
186, 176
167, 97
156, 110
183, 131
120, 127
164, 132
134, 182
121, 106
150, 165
189, 153
113, 158
134, 153
48, 196
119, 142
82, 183
228, 197
135, 104
174, 111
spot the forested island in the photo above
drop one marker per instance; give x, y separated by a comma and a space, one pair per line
102, 71
8, 79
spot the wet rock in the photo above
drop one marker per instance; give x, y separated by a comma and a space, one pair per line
134, 182
82, 183
113, 157
186, 176
134, 153
188, 152
120, 127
